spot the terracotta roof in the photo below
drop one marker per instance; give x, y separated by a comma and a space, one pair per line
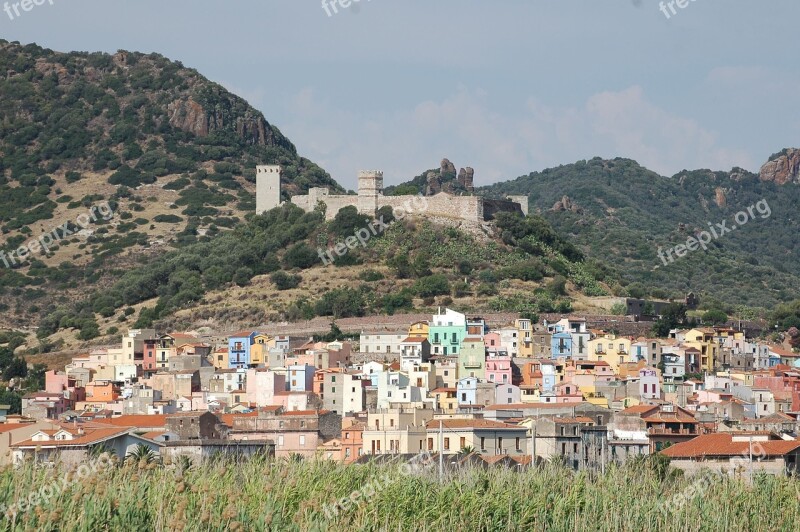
456, 424
91, 436
242, 334
722, 444
227, 419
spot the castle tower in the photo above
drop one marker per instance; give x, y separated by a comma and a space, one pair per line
370, 186
268, 187
523, 202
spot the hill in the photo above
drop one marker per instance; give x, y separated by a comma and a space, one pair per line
165, 155
624, 214
275, 267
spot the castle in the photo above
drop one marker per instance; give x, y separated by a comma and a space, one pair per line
370, 198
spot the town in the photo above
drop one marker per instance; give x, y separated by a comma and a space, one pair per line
465, 389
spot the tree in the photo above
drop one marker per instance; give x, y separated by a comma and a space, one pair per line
433, 285
715, 317
300, 256
347, 221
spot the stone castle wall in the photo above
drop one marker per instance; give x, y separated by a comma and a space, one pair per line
371, 198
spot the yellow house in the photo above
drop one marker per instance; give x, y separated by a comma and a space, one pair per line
446, 399
525, 328
259, 351
611, 349
219, 358
703, 340
418, 330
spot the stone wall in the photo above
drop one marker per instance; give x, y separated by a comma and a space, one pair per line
442, 204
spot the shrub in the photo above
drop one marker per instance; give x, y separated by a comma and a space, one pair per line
433, 285
285, 281
300, 256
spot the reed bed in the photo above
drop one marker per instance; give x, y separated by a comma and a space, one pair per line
285, 495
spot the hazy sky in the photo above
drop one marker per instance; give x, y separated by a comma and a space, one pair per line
504, 86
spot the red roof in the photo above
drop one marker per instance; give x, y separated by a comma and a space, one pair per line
721, 444
136, 421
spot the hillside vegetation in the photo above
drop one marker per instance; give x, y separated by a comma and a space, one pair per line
621, 213
271, 268
170, 152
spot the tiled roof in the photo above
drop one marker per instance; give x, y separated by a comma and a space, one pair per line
721, 444
456, 424
91, 436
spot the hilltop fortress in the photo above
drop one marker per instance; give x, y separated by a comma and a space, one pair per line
370, 198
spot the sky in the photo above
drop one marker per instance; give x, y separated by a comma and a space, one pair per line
504, 86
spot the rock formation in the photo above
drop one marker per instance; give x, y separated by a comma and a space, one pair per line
189, 115
566, 205
783, 169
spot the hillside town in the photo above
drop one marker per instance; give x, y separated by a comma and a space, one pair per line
512, 395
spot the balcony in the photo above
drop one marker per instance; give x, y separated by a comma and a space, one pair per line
671, 432
473, 363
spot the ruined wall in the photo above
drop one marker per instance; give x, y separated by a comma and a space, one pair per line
443, 205
492, 207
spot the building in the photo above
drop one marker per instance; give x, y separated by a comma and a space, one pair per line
472, 358
239, 346
414, 352
446, 332
741, 455
454, 436
294, 432
370, 198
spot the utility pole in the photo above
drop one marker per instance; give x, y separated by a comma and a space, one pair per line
441, 453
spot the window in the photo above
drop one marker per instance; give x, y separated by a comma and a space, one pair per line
280, 440
463, 443
574, 447
447, 444
430, 444
333, 378
500, 443
302, 440
517, 447
483, 443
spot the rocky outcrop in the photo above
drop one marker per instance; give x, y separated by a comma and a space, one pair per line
719, 198
190, 116
566, 205
783, 168
447, 168
466, 178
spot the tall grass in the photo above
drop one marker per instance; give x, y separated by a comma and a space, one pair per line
290, 495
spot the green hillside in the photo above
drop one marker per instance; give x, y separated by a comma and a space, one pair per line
621, 213
171, 153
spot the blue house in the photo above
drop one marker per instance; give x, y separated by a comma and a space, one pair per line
561, 345
239, 345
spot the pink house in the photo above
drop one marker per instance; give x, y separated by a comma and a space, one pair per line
498, 369
491, 340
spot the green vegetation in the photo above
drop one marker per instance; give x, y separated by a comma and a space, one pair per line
293, 495
623, 213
